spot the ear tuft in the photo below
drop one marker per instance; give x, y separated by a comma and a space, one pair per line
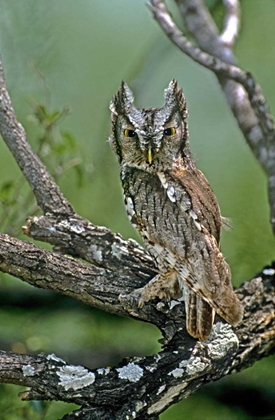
122, 101
175, 99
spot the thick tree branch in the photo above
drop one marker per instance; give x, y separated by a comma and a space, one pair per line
95, 286
41, 268
243, 94
158, 380
96, 244
102, 288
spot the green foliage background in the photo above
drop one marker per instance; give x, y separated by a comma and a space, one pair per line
72, 55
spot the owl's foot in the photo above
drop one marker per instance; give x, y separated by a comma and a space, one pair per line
162, 286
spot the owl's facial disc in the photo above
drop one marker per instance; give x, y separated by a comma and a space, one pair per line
143, 141
150, 144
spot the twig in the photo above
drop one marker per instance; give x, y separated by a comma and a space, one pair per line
231, 22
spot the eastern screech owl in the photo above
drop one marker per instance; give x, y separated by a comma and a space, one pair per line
172, 205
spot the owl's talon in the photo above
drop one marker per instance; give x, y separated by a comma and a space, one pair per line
143, 297
138, 295
140, 303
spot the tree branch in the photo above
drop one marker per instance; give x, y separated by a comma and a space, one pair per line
96, 244
90, 284
47, 193
102, 288
156, 381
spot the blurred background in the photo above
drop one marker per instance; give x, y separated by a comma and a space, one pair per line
63, 61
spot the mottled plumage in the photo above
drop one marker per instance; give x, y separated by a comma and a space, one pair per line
172, 205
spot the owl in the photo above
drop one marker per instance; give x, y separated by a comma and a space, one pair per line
172, 205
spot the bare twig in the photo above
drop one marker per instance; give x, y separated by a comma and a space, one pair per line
247, 101
231, 22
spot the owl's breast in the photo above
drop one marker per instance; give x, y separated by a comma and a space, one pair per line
160, 210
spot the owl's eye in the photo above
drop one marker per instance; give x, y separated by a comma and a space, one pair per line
170, 131
129, 133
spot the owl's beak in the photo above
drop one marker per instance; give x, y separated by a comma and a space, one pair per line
150, 155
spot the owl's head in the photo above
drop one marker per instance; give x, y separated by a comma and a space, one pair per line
149, 138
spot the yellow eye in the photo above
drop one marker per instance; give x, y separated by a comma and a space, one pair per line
170, 131
129, 133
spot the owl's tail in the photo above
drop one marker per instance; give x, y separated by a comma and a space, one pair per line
199, 315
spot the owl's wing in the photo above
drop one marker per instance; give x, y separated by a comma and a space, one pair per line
204, 202
210, 274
